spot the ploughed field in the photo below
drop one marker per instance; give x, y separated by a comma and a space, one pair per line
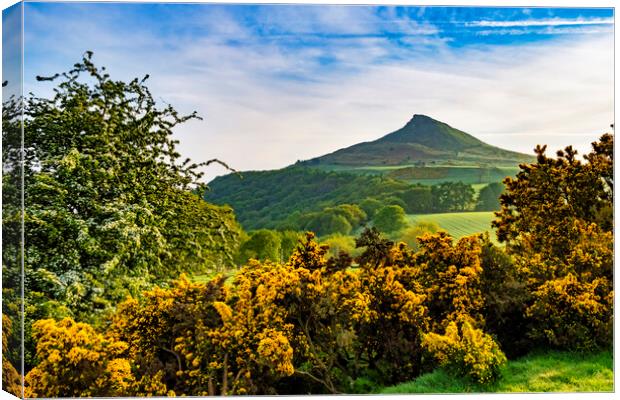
459, 224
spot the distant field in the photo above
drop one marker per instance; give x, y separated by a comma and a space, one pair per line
432, 175
548, 372
458, 224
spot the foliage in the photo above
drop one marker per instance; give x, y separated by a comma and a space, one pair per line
451, 273
110, 207
370, 206
488, 198
339, 219
390, 219
418, 199
452, 196
573, 314
467, 351
505, 299
340, 243
548, 195
389, 324
11, 379
264, 199
262, 244
76, 361
410, 235
556, 223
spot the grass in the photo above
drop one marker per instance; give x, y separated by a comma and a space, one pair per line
542, 372
458, 224
432, 175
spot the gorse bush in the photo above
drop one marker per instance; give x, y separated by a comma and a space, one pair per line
571, 314
308, 325
466, 351
556, 223
75, 360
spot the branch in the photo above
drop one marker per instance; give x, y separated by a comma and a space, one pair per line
176, 355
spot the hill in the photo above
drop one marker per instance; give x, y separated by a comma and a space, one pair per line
390, 170
268, 199
422, 141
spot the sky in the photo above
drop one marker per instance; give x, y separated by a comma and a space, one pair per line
281, 83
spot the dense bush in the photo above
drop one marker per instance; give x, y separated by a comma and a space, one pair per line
466, 351
556, 223
75, 360
390, 219
570, 314
312, 324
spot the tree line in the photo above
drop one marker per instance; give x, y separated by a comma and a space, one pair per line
265, 199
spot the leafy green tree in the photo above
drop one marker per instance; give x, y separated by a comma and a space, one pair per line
11, 245
488, 198
289, 240
418, 199
263, 245
338, 219
340, 243
452, 196
390, 219
370, 206
111, 208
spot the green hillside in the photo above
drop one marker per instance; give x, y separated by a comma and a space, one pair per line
266, 199
422, 140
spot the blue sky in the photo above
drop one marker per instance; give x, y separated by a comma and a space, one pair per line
285, 82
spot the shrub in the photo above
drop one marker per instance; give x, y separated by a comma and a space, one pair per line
77, 361
572, 314
466, 351
390, 219
506, 296
389, 318
451, 275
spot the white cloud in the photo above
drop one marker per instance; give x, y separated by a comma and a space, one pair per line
542, 22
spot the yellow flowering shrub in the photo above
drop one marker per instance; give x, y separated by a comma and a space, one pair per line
75, 361
390, 313
571, 314
307, 301
572, 297
467, 351
202, 339
451, 274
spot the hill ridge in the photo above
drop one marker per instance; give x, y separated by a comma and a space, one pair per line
421, 140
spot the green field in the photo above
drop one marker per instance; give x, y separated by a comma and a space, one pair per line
432, 175
458, 224
547, 372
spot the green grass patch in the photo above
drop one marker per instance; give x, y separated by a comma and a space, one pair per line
460, 224
546, 372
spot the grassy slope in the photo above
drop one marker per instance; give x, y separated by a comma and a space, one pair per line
458, 224
549, 372
432, 175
